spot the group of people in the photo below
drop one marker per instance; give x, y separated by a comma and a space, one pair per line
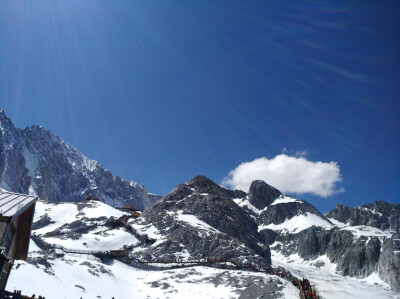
273, 271
306, 290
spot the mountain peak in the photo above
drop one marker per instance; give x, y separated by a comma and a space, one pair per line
261, 194
201, 180
201, 203
5, 121
203, 184
380, 214
35, 161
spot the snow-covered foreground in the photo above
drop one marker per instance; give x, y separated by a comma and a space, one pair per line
334, 286
84, 226
77, 277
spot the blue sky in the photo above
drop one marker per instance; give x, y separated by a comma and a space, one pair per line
160, 91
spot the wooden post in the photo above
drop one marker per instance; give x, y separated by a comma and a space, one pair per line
5, 267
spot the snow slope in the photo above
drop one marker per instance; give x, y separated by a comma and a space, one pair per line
88, 214
284, 199
76, 277
323, 241
84, 225
297, 224
335, 286
362, 230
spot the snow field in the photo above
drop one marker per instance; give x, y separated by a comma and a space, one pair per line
297, 224
331, 285
76, 277
100, 238
285, 199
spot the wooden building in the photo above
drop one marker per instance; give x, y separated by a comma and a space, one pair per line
135, 213
16, 216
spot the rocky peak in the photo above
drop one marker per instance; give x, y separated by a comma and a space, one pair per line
202, 184
38, 162
340, 213
6, 126
38, 130
201, 180
201, 202
3, 117
380, 214
261, 194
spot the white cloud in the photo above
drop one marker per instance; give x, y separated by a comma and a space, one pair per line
289, 174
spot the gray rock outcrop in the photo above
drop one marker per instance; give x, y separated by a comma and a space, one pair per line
380, 214
261, 194
389, 263
356, 257
232, 233
357, 252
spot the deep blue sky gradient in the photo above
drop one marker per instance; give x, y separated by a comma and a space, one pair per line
159, 91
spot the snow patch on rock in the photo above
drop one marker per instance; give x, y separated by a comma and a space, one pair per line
297, 224
285, 199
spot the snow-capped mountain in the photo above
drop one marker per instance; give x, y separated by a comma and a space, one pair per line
37, 162
380, 215
361, 242
200, 220
93, 225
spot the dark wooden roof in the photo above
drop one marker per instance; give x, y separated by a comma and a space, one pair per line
16, 216
14, 204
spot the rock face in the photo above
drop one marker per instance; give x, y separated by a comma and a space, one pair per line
36, 162
358, 241
354, 254
340, 213
201, 217
353, 257
261, 194
380, 214
389, 263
